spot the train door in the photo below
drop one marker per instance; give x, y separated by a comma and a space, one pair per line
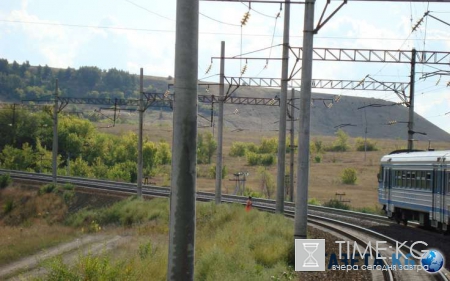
387, 189
437, 183
444, 181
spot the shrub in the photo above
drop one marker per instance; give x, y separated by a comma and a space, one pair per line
317, 158
68, 196
340, 145
370, 145
212, 171
68, 186
314, 201
5, 181
318, 146
127, 213
349, 176
251, 147
267, 159
253, 159
334, 203
268, 145
238, 149
48, 188
8, 206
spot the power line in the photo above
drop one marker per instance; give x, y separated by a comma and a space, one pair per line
219, 20
250, 8
211, 33
151, 12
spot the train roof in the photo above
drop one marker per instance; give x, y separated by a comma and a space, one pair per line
418, 156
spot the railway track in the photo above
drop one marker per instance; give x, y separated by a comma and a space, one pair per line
316, 216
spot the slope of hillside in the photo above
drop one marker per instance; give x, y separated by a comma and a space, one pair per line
325, 120
30, 82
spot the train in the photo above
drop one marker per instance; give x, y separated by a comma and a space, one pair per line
415, 186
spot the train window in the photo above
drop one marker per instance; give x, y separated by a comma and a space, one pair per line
424, 180
420, 180
403, 183
380, 174
413, 179
408, 179
428, 181
398, 178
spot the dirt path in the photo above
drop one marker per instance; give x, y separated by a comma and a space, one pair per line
28, 267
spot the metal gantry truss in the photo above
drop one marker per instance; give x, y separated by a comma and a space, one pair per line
318, 83
372, 55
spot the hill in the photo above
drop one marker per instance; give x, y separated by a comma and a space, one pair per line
19, 82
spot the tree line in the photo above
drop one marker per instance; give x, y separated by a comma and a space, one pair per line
23, 81
82, 149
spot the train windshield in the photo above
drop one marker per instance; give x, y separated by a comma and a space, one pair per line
380, 174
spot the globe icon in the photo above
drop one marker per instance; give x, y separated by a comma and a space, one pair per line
433, 261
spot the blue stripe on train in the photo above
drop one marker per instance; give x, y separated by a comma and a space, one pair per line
414, 206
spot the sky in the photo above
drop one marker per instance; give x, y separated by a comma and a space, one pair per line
130, 34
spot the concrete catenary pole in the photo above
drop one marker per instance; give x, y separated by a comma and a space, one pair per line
184, 146
411, 101
301, 202
55, 137
220, 125
141, 128
279, 206
291, 164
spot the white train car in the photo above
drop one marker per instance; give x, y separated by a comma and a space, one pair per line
416, 186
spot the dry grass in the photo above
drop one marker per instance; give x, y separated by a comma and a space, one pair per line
30, 226
325, 177
231, 244
18, 242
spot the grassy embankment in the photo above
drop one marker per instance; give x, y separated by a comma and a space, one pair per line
231, 244
29, 223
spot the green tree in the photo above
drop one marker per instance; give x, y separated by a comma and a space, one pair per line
163, 154
88, 77
150, 156
18, 159
340, 144
4, 66
206, 146
80, 168
125, 171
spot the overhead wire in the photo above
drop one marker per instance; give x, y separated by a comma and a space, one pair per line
231, 24
154, 13
271, 42
207, 33
262, 14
